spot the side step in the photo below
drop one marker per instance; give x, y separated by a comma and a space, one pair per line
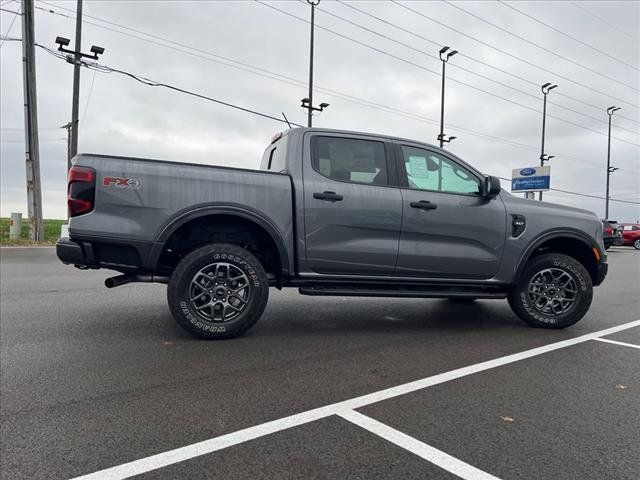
408, 291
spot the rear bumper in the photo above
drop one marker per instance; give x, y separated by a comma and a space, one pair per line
119, 254
72, 253
601, 273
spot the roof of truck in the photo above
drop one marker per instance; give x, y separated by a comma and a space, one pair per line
354, 132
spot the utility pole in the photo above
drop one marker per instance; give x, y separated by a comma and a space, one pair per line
32, 151
73, 142
610, 169
444, 57
308, 102
546, 88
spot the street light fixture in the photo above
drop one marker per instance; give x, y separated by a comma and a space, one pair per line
445, 54
64, 42
306, 103
546, 88
610, 169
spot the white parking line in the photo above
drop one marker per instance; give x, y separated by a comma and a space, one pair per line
427, 452
615, 342
170, 457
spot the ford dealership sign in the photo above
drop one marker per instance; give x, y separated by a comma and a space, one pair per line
531, 179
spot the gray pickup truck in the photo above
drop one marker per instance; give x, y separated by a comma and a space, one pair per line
331, 213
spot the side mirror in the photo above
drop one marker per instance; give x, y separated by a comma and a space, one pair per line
491, 187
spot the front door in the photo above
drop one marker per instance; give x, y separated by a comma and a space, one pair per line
353, 211
449, 229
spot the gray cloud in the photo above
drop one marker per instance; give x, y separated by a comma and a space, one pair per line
127, 118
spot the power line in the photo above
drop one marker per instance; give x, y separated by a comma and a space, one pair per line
250, 66
152, 83
567, 59
149, 82
350, 6
409, 62
511, 55
299, 83
613, 27
344, 96
360, 101
430, 55
557, 30
3, 140
16, 15
21, 129
481, 62
86, 106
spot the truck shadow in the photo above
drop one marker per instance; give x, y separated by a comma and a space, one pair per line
343, 315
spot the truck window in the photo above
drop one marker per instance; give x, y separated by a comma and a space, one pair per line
275, 157
350, 159
429, 171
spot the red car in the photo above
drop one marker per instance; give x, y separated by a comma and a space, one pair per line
631, 234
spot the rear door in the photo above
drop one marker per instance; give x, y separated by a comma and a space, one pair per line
353, 207
449, 229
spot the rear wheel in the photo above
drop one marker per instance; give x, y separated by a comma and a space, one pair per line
555, 291
636, 244
218, 291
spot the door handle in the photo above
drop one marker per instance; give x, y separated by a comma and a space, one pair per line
424, 205
330, 196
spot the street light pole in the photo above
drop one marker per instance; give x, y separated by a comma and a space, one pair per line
445, 55
308, 101
313, 4
546, 88
610, 169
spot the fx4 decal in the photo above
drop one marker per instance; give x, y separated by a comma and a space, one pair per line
121, 182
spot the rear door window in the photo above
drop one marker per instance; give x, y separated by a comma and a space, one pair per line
350, 159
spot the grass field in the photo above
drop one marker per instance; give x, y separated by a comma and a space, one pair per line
51, 232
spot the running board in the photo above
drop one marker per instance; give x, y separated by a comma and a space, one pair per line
415, 291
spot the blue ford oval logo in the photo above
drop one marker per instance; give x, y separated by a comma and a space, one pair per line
526, 172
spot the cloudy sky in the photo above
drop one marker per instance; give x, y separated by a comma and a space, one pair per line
383, 78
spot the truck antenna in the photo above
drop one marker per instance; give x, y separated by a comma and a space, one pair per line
286, 120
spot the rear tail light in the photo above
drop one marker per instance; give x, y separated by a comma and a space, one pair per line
81, 190
608, 231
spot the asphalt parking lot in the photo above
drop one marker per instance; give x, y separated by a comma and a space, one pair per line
103, 381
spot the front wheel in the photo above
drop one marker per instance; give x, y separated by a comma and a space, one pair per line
555, 291
218, 291
636, 244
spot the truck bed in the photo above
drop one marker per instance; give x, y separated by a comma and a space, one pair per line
157, 192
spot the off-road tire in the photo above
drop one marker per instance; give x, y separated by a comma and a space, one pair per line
180, 285
522, 305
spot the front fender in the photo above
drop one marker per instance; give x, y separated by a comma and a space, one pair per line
563, 232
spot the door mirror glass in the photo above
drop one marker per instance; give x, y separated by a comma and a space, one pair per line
491, 186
